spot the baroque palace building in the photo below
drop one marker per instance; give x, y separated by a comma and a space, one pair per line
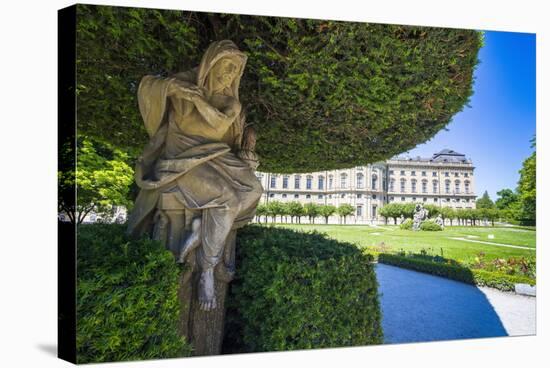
446, 179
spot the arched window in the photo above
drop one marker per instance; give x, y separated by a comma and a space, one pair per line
285, 182
296, 181
457, 186
273, 182
359, 211
447, 186
321, 182
413, 185
374, 181
330, 181
424, 186
343, 180
360, 180
467, 186
402, 186
309, 179
434, 186
392, 184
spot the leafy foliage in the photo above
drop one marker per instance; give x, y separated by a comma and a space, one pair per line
527, 190
372, 90
345, 210
430, 226
127, 304
485, 201
298, 290
453, 270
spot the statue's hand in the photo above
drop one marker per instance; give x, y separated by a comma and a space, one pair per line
186, 90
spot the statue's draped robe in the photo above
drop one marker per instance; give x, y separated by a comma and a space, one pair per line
207, 174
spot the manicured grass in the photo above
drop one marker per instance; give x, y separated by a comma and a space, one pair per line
391, 238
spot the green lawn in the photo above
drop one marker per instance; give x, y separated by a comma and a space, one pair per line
394, 239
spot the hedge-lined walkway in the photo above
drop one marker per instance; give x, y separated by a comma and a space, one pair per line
420, 307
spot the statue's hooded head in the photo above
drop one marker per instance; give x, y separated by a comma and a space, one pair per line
222, 56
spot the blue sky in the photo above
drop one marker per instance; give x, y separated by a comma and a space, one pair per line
495, 131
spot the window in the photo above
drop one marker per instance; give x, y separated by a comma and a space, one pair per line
392, 184
342, 195
447, 174
374, 181
467, 186
271, 195
434, 173
320, 196
273, 181
309, 178
392, 199
296, 196
296, 181
447, 186
414, 199
434, 186
373, 211
435, 200
359, 211
308, 196
467, 200
321, 182
343, 180
391, 172
384, 184
413, 173
374, 196
285, 182
359, 195
402, 172
456, 175
466, 175
360, 180
424, 199
284, 195
423, 173
330, 195
457, 186
448, 199
424, 186
403, 182
402, 199
413, 185
330, 181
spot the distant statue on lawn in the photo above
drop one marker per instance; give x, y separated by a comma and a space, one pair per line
420, 215
439, 221
196, 175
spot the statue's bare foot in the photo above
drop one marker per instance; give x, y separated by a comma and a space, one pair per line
207, 295
192, 241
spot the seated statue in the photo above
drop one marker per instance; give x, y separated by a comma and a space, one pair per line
200, 153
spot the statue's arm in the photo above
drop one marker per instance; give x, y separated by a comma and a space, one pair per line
218, 119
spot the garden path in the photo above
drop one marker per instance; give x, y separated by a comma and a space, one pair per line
418, 307
495, 244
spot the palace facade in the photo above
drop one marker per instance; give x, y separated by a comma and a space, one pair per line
446, 179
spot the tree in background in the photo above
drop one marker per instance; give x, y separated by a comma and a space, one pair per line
485, 201
295, 209
261, 210
274, 209
506, 199
448, 213
345, 210
527, 190
391, 210
102, 180
311, 210
326, 211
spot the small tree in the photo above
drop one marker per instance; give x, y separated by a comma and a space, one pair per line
261, 210
274, 209
311, 210
345, 210
326, 211
485, 201
448, 213
295, 209
391, 210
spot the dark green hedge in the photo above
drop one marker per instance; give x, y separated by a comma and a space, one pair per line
127, 305
372, 90
453, 270
297, 290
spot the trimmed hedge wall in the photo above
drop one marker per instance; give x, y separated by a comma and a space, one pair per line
456, 272
127, 305
297, 290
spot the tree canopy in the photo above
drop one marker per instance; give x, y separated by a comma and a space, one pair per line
485, 201
320, 94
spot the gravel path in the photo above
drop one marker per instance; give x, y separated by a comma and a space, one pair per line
420, 307
495, 244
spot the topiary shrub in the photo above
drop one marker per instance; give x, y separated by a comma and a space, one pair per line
296, 290
127, 304
406, 225
430, 226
